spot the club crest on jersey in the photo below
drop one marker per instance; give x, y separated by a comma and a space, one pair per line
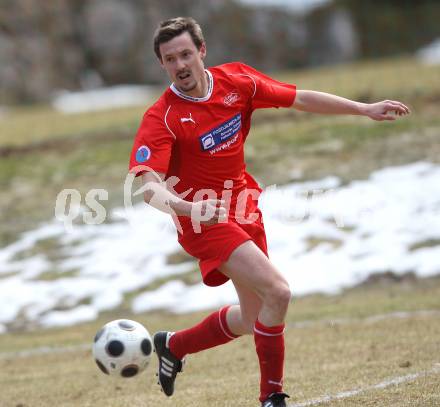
231, 98
143, 154
220, 134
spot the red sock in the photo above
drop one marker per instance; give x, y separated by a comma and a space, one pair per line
269, 342
212, 331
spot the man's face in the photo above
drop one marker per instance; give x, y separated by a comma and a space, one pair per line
184, 62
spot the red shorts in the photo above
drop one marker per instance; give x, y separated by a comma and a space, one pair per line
215, 243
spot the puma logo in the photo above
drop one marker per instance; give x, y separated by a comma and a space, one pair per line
187, 119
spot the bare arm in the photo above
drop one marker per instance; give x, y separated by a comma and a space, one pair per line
160, 197
326, 103
157, 195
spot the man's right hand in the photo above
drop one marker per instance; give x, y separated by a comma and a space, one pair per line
209, 211
203, 212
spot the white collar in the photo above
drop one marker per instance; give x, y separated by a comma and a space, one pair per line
192, 98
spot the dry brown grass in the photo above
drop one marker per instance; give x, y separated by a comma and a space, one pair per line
340, 349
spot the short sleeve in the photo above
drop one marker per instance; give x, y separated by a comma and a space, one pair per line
152, 146
269, 92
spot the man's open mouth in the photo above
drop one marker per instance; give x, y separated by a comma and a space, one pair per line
184, 75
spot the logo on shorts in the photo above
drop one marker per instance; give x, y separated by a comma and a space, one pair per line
231, 98
143, 154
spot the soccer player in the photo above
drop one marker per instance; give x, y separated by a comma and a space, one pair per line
189, 152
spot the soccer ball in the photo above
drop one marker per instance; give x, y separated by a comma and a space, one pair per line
122, 348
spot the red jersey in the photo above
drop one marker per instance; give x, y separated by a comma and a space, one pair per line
201, 140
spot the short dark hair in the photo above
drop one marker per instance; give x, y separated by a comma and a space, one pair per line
173, 27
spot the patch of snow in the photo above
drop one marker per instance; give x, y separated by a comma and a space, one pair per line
322, 235
430, 54
102, 98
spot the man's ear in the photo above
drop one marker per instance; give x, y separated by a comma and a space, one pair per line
161, 63
202, 50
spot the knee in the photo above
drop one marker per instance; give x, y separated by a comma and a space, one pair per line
279, 294
284, 294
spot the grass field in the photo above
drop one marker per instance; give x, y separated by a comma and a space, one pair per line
350, 342
353, 342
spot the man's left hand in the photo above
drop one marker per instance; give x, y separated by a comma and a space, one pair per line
385, 110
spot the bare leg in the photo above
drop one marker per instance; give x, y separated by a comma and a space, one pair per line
251, 271
264, 297
241, 318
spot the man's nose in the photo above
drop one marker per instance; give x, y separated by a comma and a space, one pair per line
180, 64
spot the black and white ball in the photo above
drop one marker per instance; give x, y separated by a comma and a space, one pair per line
122, 348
